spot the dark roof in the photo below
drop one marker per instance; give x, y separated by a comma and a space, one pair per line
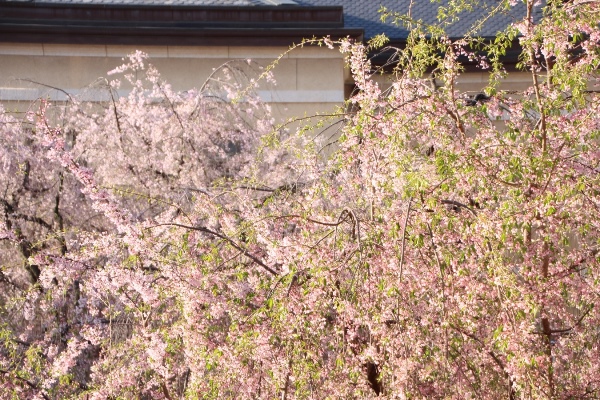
365, 14
184, 22
228, 22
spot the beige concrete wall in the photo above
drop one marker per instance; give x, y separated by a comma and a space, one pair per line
309, 79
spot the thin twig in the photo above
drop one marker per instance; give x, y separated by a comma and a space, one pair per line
404, 237
228, 240
27, 382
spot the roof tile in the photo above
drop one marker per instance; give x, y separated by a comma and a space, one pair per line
365, 14
358, 14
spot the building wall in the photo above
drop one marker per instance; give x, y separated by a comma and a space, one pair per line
309, 79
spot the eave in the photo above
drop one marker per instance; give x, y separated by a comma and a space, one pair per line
379, 58
169, 25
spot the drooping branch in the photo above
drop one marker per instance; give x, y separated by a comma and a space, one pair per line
27, 382
403, 244
493, 355
459, 205
58, 215
548, 331
536, 84
228, 240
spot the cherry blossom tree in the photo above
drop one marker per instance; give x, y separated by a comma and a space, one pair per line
438, 246
145, 151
